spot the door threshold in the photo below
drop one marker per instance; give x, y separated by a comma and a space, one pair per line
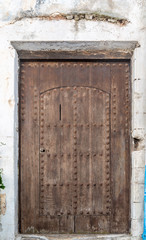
76, 237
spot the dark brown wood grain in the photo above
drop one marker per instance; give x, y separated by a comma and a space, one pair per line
120, 146
101, 54
74, 147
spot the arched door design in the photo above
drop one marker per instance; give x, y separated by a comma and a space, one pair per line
75, 147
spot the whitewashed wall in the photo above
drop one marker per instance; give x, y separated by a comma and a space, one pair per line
45, 20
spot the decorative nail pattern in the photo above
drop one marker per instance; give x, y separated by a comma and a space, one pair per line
22, 88
127, 103
107, 156
74, 188
75, 173
42, 159
114, 109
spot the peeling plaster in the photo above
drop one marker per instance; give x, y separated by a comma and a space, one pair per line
111, 9
73, 16
2, 204
139, 144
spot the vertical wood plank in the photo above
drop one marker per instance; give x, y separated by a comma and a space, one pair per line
120, 148
29, 144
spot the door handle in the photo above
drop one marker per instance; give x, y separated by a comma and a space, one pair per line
42, 150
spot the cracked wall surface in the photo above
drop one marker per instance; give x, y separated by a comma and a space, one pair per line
69, 20
11, 10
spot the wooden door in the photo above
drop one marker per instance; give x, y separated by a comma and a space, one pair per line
74, 147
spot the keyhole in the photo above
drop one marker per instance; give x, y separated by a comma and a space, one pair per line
60, 112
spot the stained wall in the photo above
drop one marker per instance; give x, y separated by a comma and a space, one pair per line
68, 20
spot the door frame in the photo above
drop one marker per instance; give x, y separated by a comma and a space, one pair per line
79, 50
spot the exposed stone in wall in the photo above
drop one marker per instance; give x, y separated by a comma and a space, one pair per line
72, 16
114, 11
2, 204
76, 17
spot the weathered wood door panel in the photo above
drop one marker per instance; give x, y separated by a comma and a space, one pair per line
74, 147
